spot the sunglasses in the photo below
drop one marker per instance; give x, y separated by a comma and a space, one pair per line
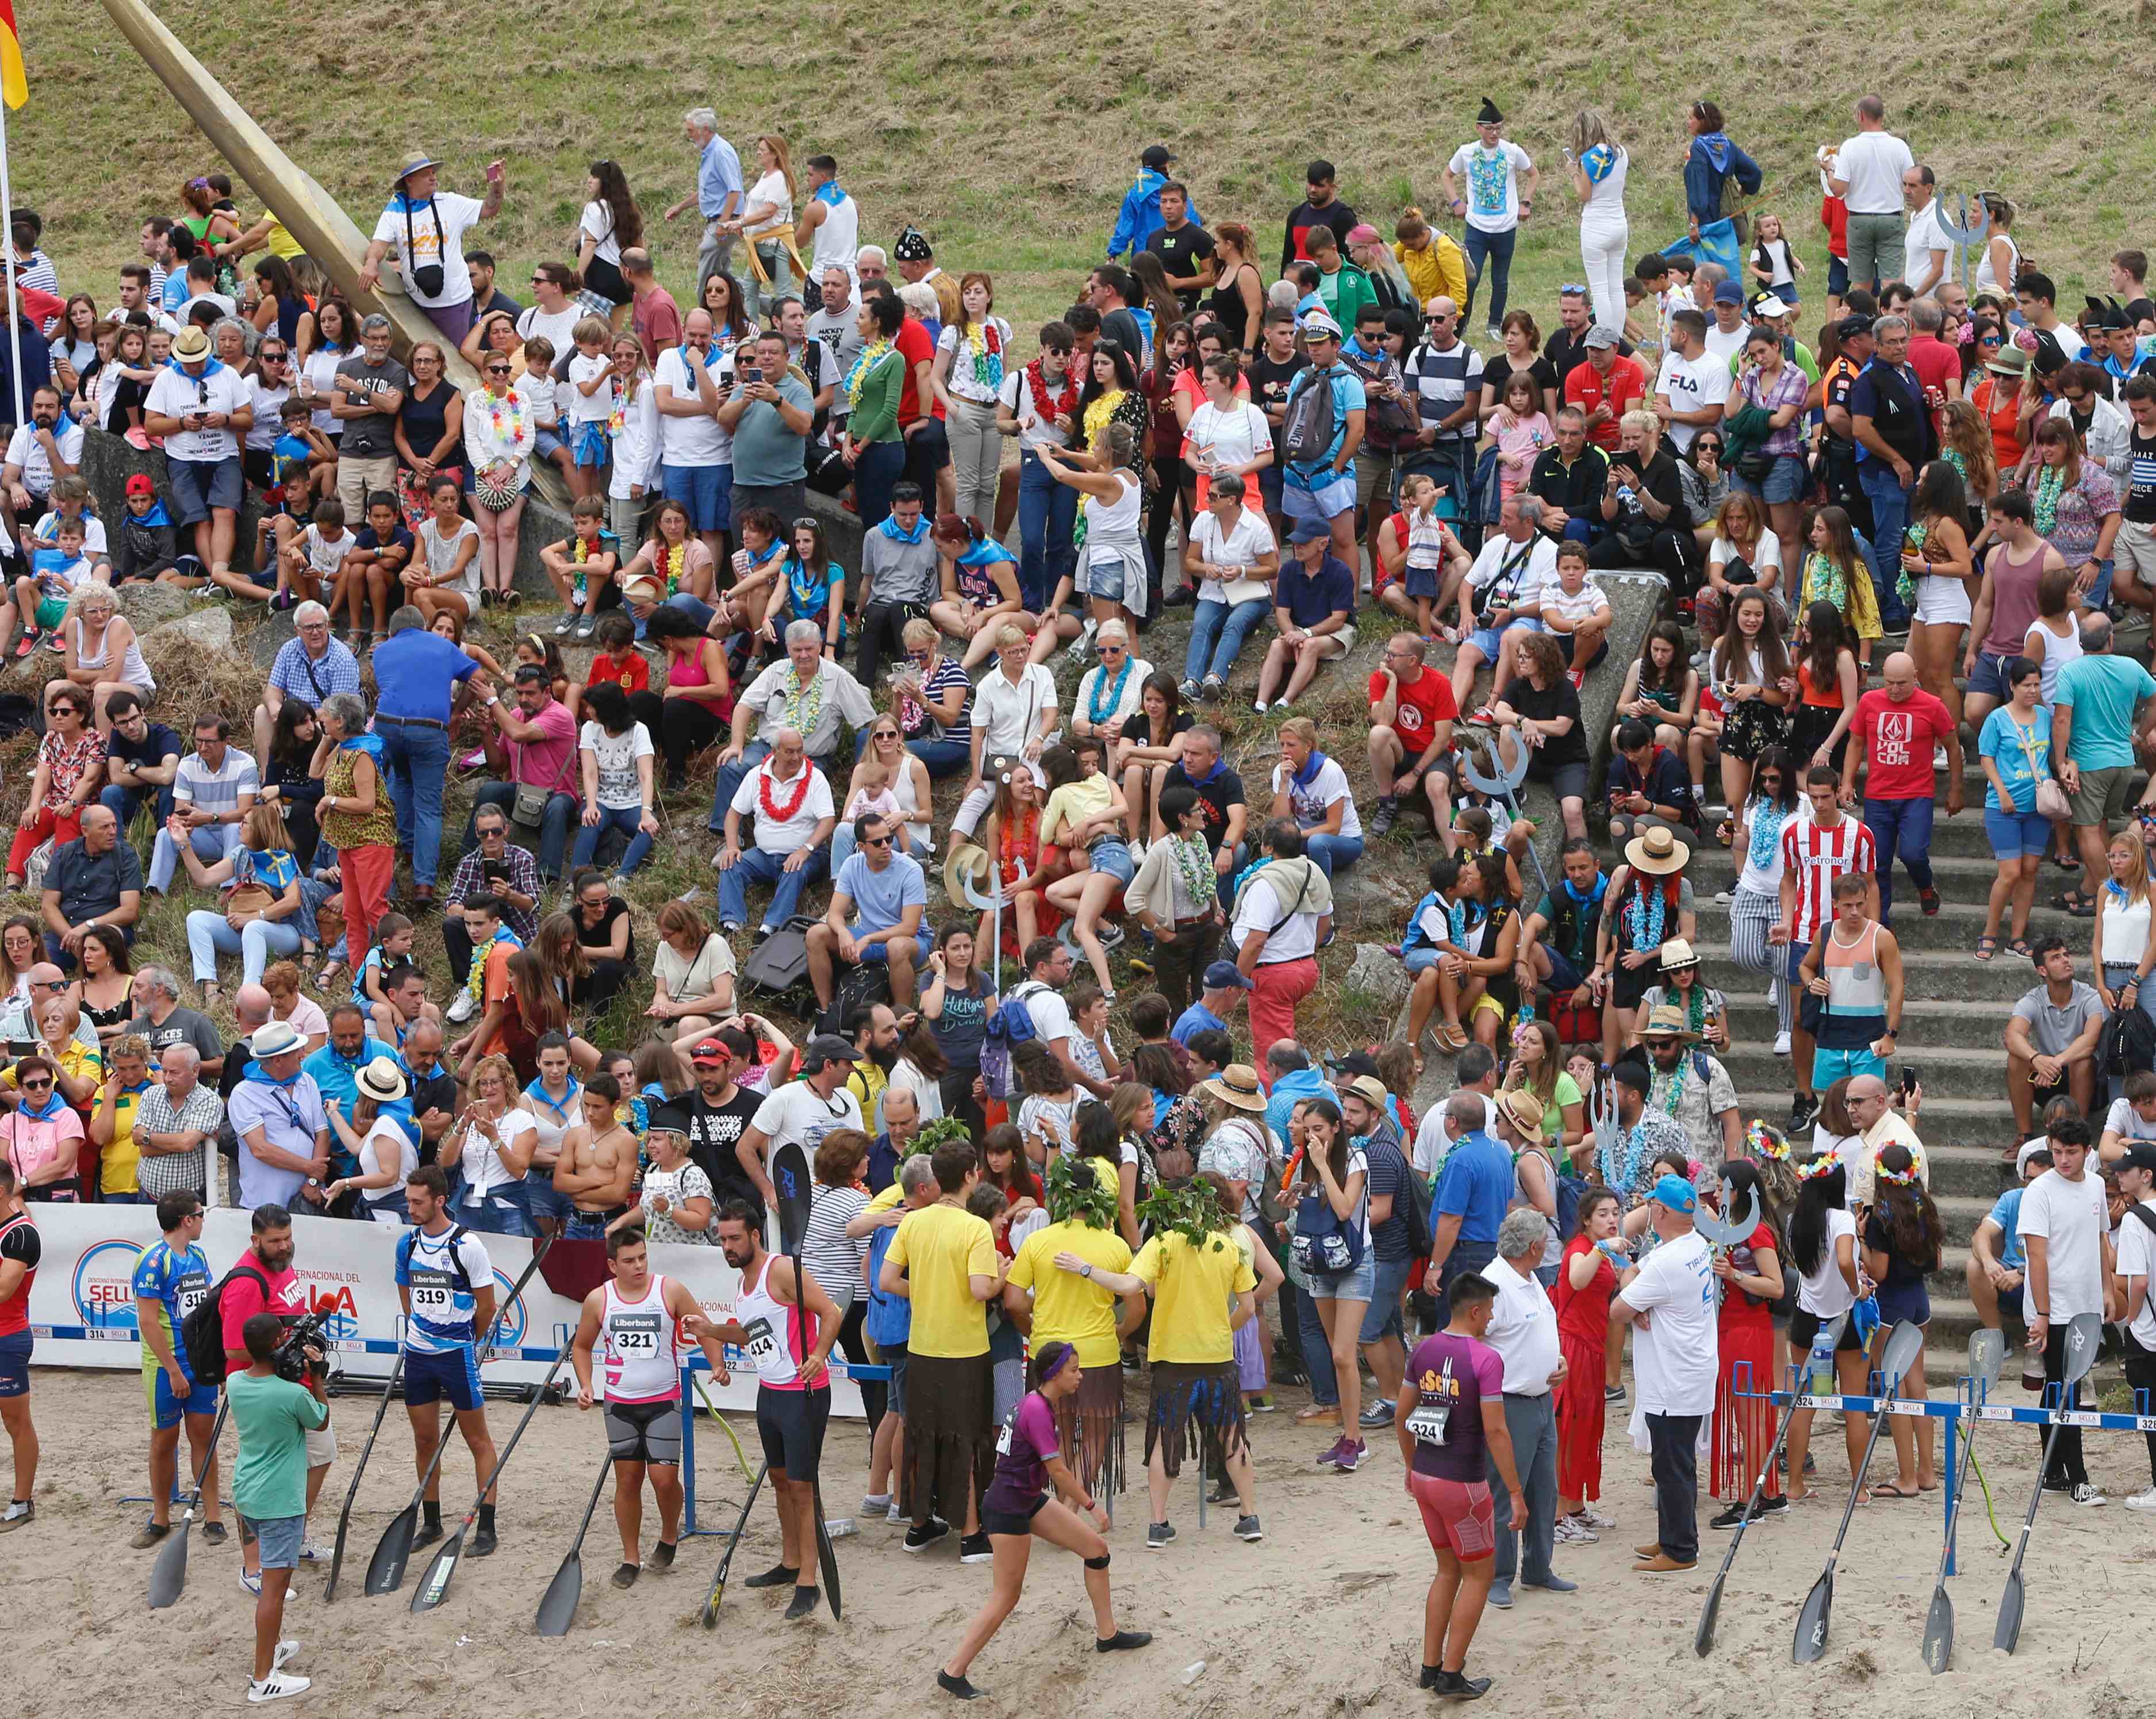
1112, 650
497, 369
876, 841
1572, 289
37, 1085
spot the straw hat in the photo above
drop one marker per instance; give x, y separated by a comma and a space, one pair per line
1656, 852
415, 161
1368, 1088
276, 1039
1522, 1109
2010, 360
190, 344
968, 862
1667, 1021
1236, 1085
380, 1081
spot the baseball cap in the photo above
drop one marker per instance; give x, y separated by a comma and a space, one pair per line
140, 484
1226, 976
708, 1050
2139, 1155
1156, 155
1600, 337
1728, 292
1309, 530
2029, 1148
1675, 1193
827, 1048
1635, 1074
1851, 328
1767, 306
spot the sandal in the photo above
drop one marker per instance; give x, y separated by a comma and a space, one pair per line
1889, 1489
327, 976
2074, 904
2020, 946
1986, 947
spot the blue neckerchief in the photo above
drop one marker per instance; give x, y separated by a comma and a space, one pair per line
1597, 163
371, 744
1311, 765
829, 192
537, 1089
890, 528
54, 1104
689, 358
985, 553
1219, 764
210, 367
1593, 898
1718, 148
156, 516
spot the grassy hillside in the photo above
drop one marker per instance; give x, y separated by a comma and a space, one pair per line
1008, 132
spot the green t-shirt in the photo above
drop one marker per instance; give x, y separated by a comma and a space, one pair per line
2102, 692
273, 1416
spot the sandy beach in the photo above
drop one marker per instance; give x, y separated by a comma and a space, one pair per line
1323, 1618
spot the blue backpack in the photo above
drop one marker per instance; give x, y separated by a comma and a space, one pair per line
1325, 1241
1010, 1026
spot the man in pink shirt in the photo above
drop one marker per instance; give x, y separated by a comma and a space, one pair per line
1897, 732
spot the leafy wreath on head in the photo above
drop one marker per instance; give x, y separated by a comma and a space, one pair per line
1077, 1195
1192, 1211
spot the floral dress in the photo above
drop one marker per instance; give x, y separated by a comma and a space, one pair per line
2070, 518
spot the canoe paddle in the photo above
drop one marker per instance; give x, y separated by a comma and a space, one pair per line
558, 1606
2084, 1336
1902, 1347
1828, 1335
385, 1570
434, 1580
344, 1516
169, 1574
1987, 1355
709, 1617
789, 1173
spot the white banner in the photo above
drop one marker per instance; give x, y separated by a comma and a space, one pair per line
82, 1306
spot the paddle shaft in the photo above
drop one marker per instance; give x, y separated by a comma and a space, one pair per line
719, 1582
508, 1450
606, 1468
359, 1468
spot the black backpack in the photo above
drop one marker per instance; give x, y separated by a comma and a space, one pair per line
2128, 1044
1309, 426
202, 1332
778, 969
858, 987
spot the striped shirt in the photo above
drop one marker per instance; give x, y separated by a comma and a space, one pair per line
827, 1254
207, 790
310, 679
160, 1173
1442, 381
1816, 857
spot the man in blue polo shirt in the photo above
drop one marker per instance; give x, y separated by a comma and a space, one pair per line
416, 675
1313, 613
1224, 989
336, 1070
1473, 1191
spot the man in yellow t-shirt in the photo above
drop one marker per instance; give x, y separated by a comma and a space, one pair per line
1202, 1292
944, 1260
1058, 1292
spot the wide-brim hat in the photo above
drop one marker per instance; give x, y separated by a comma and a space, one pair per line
1236, 1087
1657, 852
417, 161
1522, 1109
380, 1081
277, 1039
1666, 1022
1368, 1088
1676, 953
967, 863
2010, 360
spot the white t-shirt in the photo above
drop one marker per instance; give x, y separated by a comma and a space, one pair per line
1826, 1292
176, 394
1259, 911
2125, 1122
1230, 435
320, 371
1766, 553
1311, 803
597, 221
417, 240
269, 404
771, 190
797, 1114
771, 835
1676, 1358
1924, 237
441, 553
598, 406
93, 530
1575, 606
1722, 347
2073, 1219
1872, 163
1431, 1144
698, 440
26, 452
325, 555
387, 1146
2137, 1257
1051, 1014
557, 326
484, 1171
1241, 547
1490, 184
1008, 715
1096, 684
1693, 385
960, 376
619, 789
1537, 570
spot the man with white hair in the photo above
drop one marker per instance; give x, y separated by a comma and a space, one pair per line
808, 692
718, 193
871, 266
174, 1126
790, 835
1523, 1332
160, 1017
309, 666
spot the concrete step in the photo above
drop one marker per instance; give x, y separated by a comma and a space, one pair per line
1957, 877
1928, 974
1924, 1023
1961, 837
1974, 1072
1956, 925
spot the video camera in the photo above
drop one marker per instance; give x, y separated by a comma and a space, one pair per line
292, 1358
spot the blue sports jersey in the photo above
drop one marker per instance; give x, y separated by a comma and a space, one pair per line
442, 1305
177, 1283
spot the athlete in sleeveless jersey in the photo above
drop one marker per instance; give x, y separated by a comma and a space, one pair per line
19, 1252
640, 1320
446, 1282
172, 1279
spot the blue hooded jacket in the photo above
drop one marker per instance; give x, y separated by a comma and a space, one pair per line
1714, 157
1139, 218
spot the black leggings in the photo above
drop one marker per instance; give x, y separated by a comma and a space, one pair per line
1174, 478
875, 1393
678, 725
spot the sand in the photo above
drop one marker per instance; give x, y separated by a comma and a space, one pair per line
1323, 1619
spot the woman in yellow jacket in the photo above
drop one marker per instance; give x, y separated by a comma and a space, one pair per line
1435, 266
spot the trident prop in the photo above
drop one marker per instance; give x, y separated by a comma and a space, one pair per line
1502, 782
1967, 236
1602, 1116
1722, 1230
993, 905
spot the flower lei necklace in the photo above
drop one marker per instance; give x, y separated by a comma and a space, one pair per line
1767, 819
677, 562
1193, 863
987, 350
617, 412
2050, 481
1612, 1177
1676, 1099
1018, 837
804, 704
772, 809
504, 414
1098, 413
1643, 914
1824, 579
857, 377
1048, 406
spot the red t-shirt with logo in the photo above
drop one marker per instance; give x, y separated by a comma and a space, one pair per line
1620, 391
1429, 701
242, 1299
1898, 739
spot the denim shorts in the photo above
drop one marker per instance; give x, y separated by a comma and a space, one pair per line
1382, 1318
278, 1538
1111, 858
2017, 835
1358, 1284
1418, 961
707, 492
546, 444
1784, 480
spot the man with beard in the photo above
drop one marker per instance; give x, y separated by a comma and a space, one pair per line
1691, 1087
875, 1034
786, 1323
718, 1113
801, 1112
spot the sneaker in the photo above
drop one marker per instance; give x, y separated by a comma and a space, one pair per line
1612, 1394
1378, 1414
1188, 692
1577, 676
1214, 689
1781, 1044
283, 1656
1138, 851
1382, 819
1929, 900
586, 626
1330, 1455
1248, 1528
1353, 1454
1593, 1518
1258, 705
1078, 649
892, 1516
1279, 707
29, 643
460, 1011
975, 1549
151, 1534
1571, 1530
1261, 1405
1111, 937
1728, 1517
2085, 1494
1774, 1506
1158, 1534
277, 1687
923, 1534
1460, 1686
252, 1584
313, 1552
1804, 1112
1497, 335
1500, 1596
2142, 1500
566, 625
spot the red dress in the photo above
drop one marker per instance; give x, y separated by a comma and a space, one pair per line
1744, 1424
1582, 1330
1020, 852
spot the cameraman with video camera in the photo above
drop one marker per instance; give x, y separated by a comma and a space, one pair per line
280, 1419
262, 1280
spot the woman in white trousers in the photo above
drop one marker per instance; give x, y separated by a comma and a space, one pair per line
1599, 166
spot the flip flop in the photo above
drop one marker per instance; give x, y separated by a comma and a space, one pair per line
1986, 947
1888, 1489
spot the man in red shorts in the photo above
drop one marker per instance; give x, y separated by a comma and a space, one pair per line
1451, 1412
